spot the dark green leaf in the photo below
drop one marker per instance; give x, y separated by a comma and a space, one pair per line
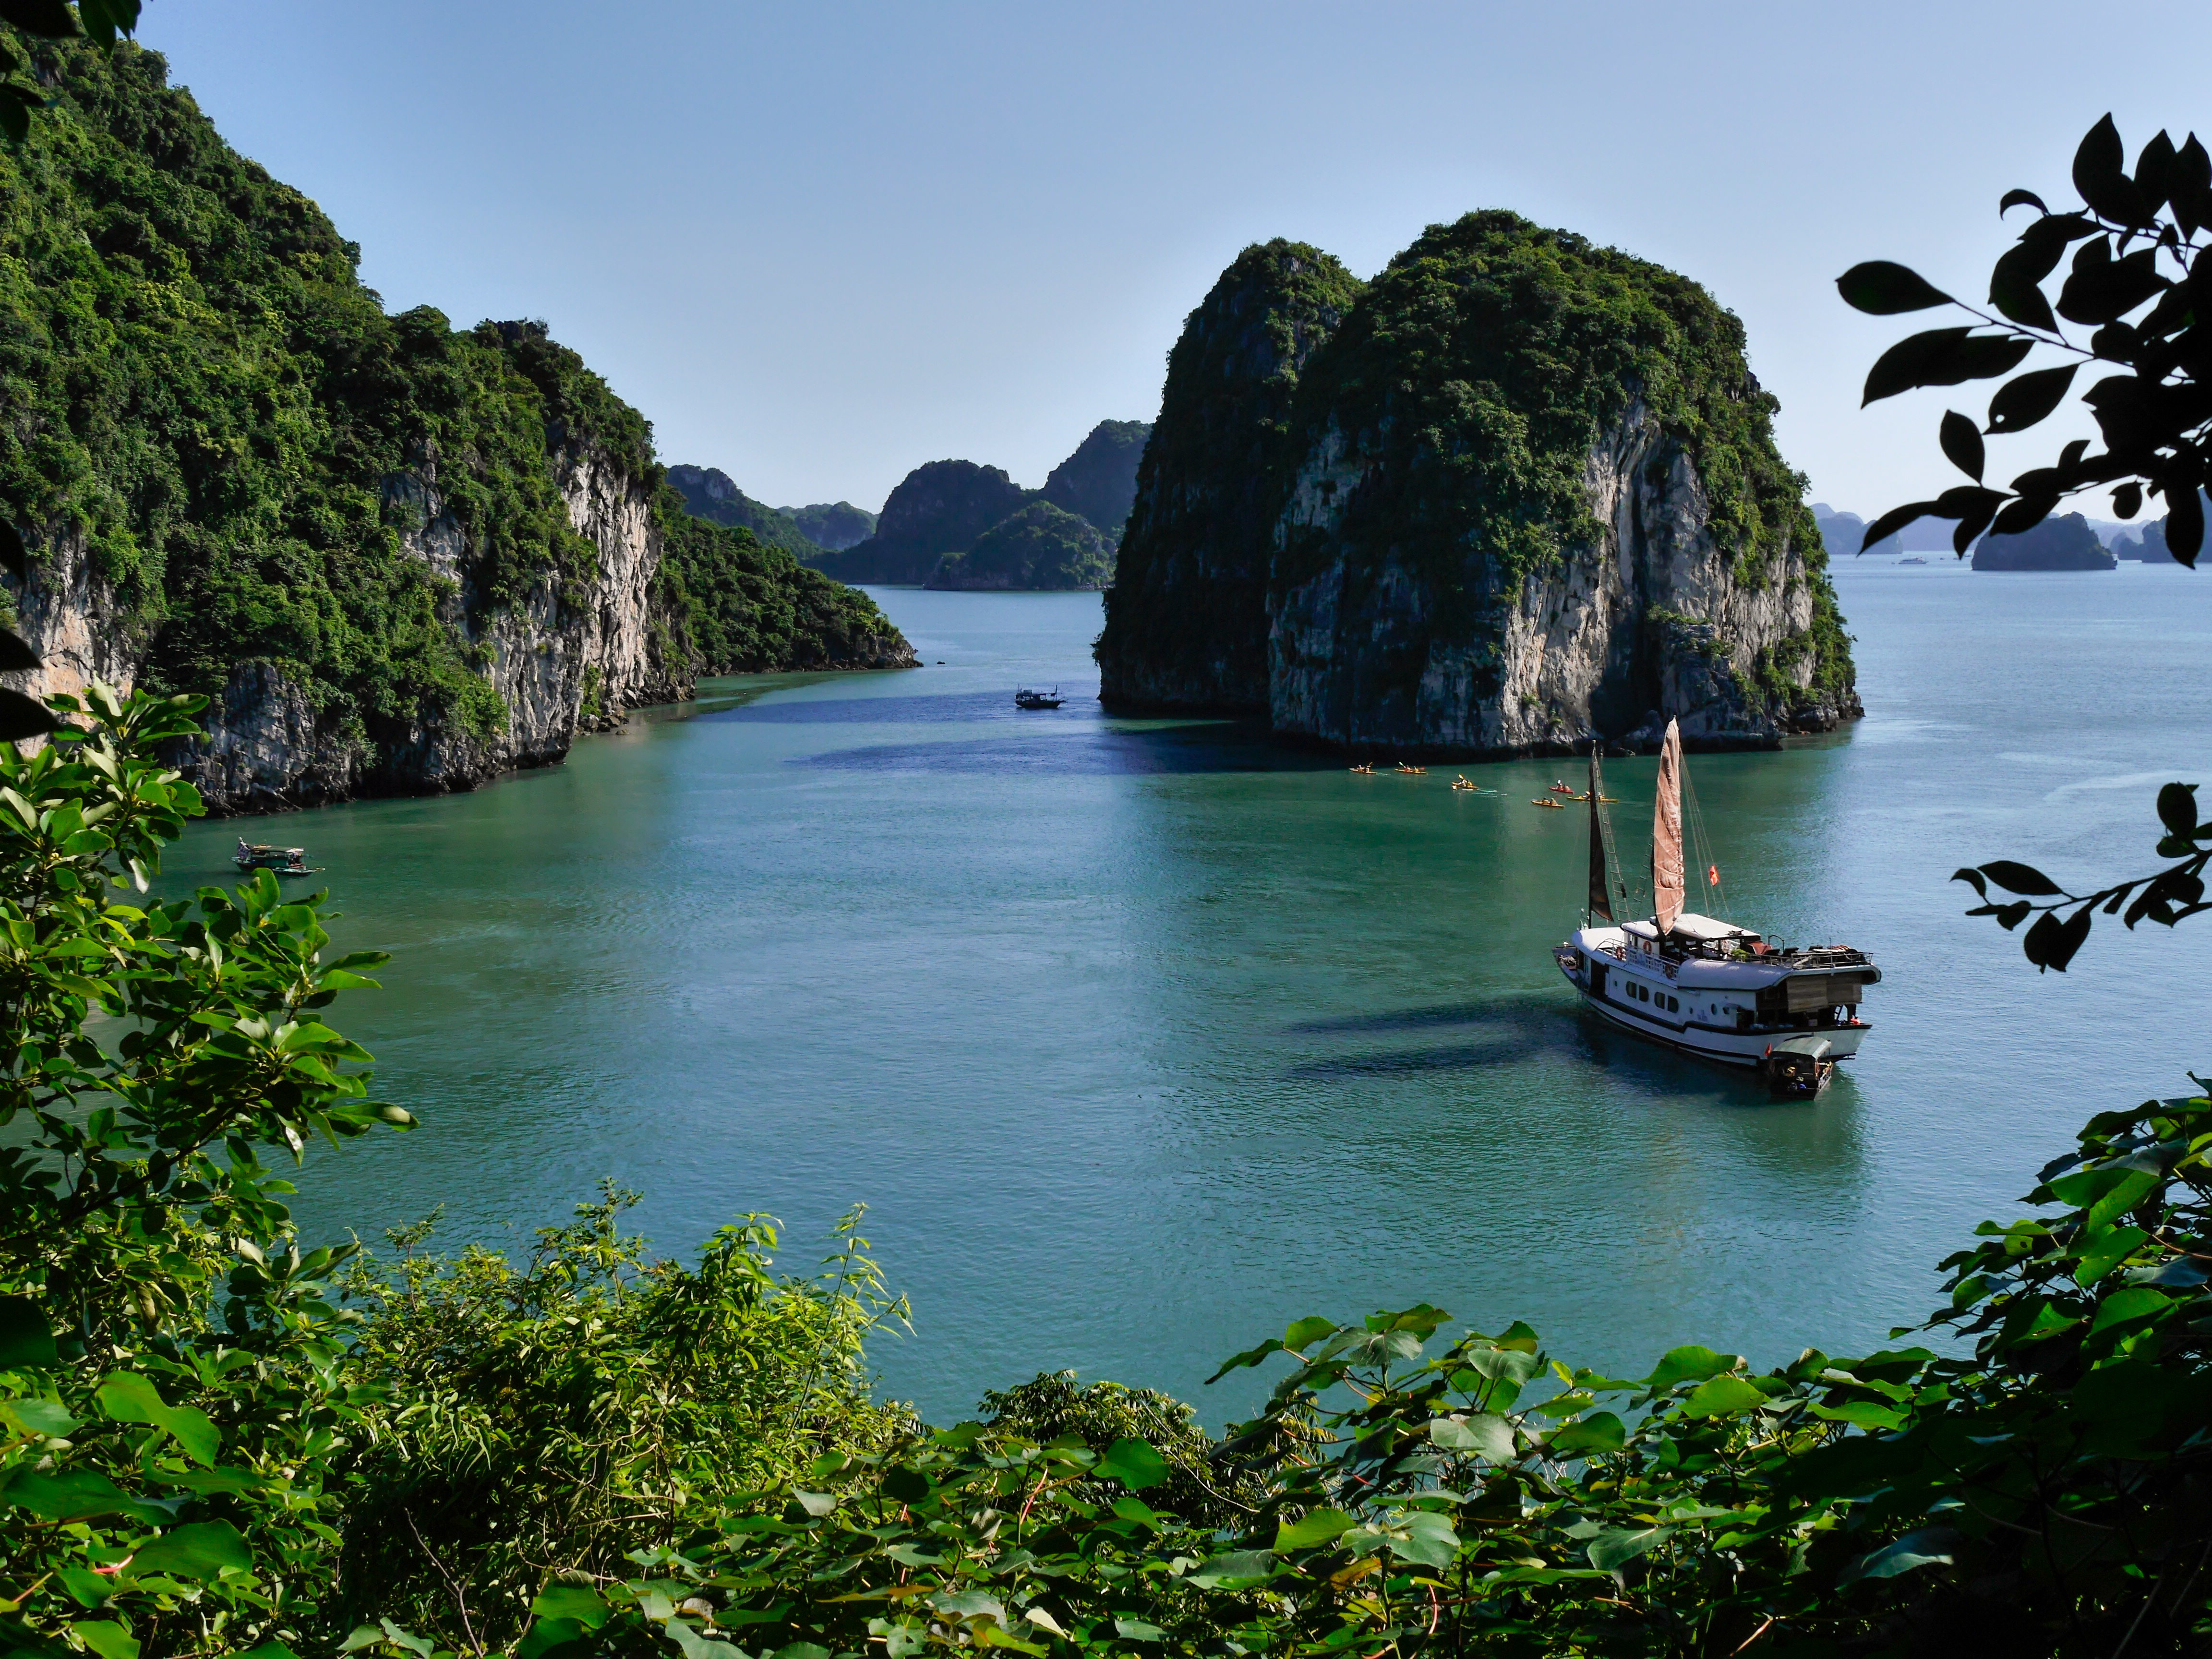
1893, 521
2100, 289
15, 656
1930, 1546
1943, 356
2127, 500
2015, 283
1962, 444
104, 19
49, 18
2021, 878
1616, 1547
1687, 1364
1308, 1330
14, 557
1886, 289
2018, 517
2020, 403
2177, 809
1133, 1463
2013, 198
105, 1638
2184, 524
1601, 1431
27, 1341
24, 717
76, 1495
2188, 185
204, 1549
1321, 1526
1973, 876
14, 115
2051, 943
2097, 175
578, 1601
1722, 1396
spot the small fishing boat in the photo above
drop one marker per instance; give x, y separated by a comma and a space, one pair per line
1799, 1068
1549, 805
1698, 984
261, 855
1025, 698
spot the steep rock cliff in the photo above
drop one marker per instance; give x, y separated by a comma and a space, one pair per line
396, 555
1527, 493
1186, 618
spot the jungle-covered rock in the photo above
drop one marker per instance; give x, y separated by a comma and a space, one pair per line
398, 556
709, 493
1526, 492
1098, 482
2062, 542
1038, 547
1187, 617
939, 507
834, 525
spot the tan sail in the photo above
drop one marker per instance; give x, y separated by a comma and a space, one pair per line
1667, 875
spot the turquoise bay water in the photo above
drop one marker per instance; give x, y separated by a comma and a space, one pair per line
1142, 1038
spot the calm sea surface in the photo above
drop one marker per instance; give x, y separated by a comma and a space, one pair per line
1142, 1038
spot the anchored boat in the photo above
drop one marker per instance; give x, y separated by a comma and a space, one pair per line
285, 860
1025, 698
1705, 987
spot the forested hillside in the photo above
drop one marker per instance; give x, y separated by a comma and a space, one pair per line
399, 555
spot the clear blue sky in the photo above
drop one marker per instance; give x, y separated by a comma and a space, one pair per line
820, 243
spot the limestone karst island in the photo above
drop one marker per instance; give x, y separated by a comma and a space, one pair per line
873, 833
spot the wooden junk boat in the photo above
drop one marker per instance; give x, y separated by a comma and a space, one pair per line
262, 856
1025, 698
1706, 987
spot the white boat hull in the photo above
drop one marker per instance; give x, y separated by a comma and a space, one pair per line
1691, 1025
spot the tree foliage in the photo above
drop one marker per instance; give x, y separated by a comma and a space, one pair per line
2137, 286
2133, 290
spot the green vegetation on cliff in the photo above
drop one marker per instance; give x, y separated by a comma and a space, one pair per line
1482, 366
1208, 487
708, 493
751, 608
194, 381
1038, 547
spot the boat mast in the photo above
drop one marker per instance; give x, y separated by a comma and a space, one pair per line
1666, 873
1600, 906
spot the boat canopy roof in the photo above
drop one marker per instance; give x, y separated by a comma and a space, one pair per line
1810, 1048
1690, 925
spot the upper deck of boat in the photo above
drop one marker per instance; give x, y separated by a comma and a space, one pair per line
1699, 951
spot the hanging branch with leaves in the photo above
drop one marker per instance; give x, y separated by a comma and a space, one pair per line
2138, 259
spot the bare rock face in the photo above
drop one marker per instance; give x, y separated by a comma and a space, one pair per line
1650, 622
564, 658
1525, 495
71, 619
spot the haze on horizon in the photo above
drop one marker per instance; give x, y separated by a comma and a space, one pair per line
818, 246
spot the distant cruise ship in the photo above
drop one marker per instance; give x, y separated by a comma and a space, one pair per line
1705, 987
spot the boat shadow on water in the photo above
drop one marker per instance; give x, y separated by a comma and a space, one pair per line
1507, 1032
